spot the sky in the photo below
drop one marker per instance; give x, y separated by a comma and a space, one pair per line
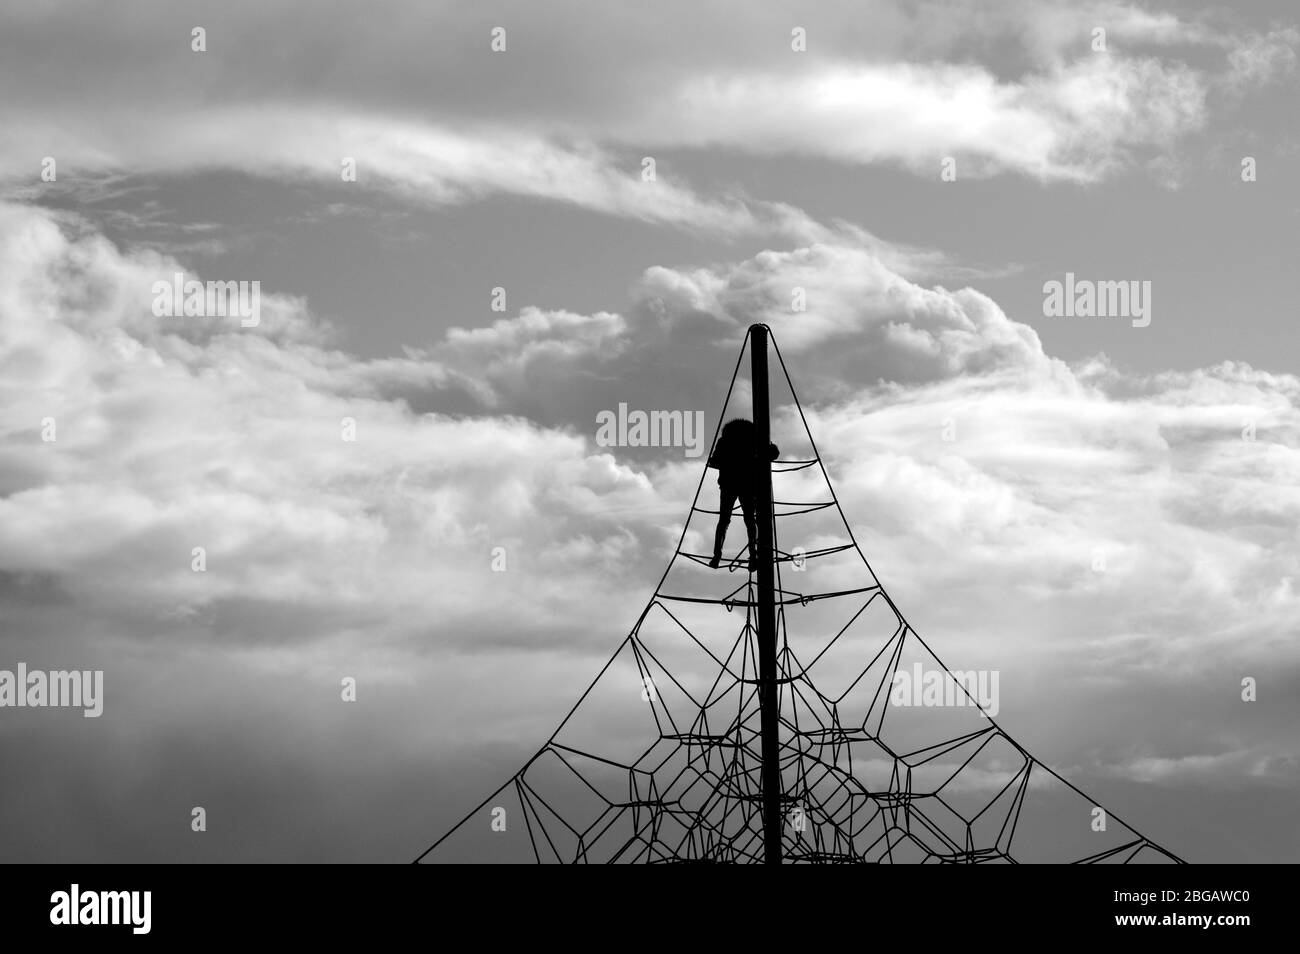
1102, 512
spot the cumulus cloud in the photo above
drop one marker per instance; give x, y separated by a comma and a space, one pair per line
173, 433
1133, 502
1136, 510
1110, 530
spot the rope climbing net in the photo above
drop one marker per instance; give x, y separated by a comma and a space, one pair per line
885, 754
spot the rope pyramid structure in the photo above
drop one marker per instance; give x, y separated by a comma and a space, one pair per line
873, 750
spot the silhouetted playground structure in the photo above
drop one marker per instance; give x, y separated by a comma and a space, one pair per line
752, 721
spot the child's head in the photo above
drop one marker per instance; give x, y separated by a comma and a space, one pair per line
736, 428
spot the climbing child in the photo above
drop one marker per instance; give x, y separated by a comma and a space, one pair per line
733, 456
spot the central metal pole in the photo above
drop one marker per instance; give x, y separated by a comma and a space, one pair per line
769, 707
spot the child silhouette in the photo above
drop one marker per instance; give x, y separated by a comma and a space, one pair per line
734, 457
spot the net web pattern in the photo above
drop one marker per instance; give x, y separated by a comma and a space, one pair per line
886, 755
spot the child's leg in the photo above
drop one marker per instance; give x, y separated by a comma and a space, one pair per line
747, 507
726, 503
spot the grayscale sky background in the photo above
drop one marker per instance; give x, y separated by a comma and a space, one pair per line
477, 429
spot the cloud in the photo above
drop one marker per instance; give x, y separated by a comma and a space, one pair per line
1261, 59
863, 323
177, 433
931, 83
416, 160
1213, 768
325, 555
1116, 505
174, 435
1079, 121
